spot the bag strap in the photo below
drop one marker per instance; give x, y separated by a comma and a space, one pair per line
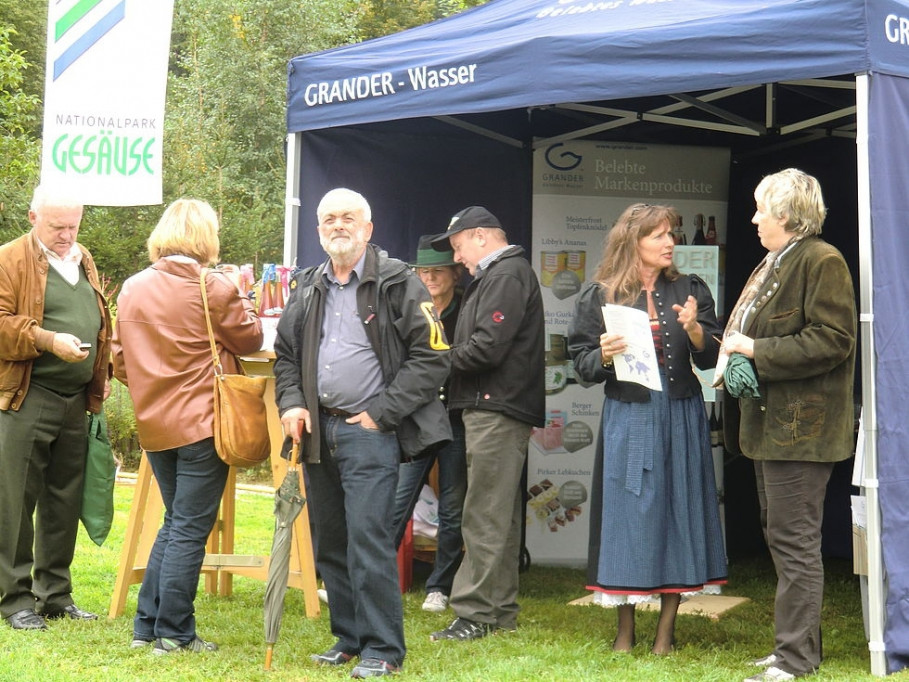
211, 335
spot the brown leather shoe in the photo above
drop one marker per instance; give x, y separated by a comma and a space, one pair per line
72, 611
26, 619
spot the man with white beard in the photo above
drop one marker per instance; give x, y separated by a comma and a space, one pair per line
360, 355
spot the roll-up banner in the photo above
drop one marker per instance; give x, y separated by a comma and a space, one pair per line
580, 189
104, 99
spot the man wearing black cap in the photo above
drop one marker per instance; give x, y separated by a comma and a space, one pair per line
497, 381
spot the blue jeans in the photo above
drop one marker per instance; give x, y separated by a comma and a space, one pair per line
191, 479
452, 489
351, 493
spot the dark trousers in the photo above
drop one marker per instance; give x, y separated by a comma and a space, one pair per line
191, 479
452, 489
352, 492
42, 467
791, 496
486, 585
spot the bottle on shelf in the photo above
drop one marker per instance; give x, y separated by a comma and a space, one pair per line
716, 430
710, 237
678, 234
267, 301
699, 237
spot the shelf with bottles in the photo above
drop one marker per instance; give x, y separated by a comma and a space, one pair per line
268, 293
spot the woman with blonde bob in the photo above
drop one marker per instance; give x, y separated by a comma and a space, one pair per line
654, 526
795, 319
162, 353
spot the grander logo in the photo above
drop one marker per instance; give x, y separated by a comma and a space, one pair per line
86, 26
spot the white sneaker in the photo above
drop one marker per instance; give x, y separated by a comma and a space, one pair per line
323, 595
436, 602
765, 662
772, 673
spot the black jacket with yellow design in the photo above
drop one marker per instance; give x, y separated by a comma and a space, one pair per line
406, 336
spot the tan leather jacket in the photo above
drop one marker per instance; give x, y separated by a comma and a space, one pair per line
161, 348
23, 278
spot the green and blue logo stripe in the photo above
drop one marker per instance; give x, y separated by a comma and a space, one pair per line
91, 33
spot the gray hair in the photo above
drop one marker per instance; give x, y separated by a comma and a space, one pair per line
796, 196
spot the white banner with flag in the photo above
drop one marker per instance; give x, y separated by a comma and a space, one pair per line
104, 99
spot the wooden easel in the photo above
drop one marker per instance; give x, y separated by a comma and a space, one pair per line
220, 563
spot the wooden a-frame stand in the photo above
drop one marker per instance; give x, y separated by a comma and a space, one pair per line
220, 563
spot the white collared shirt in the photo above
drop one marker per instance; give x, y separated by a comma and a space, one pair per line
68, 265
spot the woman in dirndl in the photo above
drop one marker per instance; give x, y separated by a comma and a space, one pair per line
655, 527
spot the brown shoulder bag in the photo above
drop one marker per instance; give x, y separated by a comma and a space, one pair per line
241, 426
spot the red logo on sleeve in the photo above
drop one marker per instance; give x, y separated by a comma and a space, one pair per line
498, 316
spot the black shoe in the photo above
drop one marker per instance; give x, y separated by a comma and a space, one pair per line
332, 657
72, 611
373, 667
462, 629
26, 619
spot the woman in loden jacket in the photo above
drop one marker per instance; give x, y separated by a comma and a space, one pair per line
162, 353
796, 320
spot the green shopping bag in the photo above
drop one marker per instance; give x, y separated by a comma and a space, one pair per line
100, 473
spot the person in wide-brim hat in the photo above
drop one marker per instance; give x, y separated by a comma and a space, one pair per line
441, 276
429, 257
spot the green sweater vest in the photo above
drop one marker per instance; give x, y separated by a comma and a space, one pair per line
73, 309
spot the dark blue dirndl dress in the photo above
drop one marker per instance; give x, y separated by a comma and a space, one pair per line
655, 496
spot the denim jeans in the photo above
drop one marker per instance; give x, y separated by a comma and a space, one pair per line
191, 479
452, 489
351, 493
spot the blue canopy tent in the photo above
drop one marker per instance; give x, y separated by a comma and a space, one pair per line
431, 119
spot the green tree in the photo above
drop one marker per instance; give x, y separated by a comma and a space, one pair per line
383, 17
224, 128
29, 19
19, 149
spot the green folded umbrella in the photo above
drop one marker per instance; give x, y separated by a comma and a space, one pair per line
740, 378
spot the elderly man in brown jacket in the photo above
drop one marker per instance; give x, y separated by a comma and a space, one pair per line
54, 365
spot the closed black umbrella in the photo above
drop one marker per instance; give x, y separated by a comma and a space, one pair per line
288, 502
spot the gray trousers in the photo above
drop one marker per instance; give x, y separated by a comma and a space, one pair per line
42, 457
791, 496
485, 587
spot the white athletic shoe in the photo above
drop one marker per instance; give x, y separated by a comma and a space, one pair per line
765, 662
436, 602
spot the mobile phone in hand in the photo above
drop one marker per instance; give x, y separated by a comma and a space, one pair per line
84, 346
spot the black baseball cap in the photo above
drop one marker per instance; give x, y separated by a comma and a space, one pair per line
465, 219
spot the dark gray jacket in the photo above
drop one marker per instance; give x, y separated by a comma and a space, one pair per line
585, 330
406, 336
498, 349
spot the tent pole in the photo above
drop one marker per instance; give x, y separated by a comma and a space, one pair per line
876, 601
294, 146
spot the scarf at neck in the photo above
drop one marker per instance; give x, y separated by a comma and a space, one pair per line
755, 283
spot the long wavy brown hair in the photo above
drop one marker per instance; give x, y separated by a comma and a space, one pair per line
618, 271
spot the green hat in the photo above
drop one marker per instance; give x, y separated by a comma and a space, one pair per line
428, 257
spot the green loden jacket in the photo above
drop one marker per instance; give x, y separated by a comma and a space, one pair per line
804, 330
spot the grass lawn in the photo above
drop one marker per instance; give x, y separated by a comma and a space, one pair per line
555, 642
